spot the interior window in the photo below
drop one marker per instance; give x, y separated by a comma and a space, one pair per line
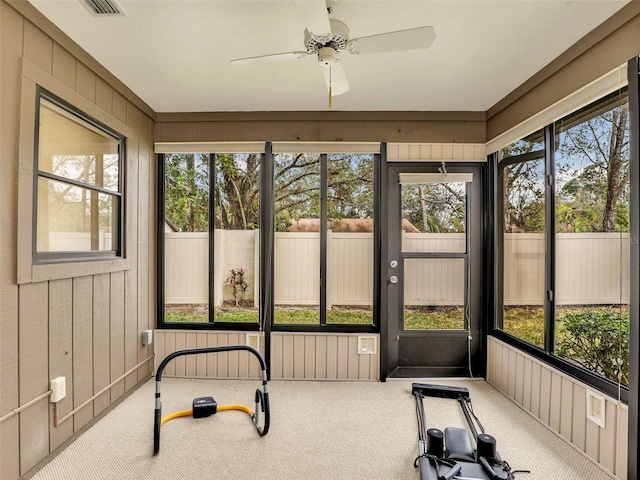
78, 201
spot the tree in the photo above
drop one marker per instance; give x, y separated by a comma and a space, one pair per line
593, 161
237, 191
435, 207
187, 192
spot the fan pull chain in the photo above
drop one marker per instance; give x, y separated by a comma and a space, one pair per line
330, 93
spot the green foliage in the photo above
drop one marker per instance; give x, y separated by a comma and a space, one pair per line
599, 341
187, 192
526, 323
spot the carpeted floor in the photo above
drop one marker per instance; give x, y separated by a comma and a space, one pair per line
319, 430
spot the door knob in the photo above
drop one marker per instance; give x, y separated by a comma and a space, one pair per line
393, 279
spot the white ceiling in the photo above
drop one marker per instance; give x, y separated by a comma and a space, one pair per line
175, 54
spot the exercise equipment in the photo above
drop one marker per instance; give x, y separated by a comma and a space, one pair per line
206, 406
450, 455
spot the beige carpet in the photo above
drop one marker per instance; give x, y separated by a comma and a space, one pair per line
319, 430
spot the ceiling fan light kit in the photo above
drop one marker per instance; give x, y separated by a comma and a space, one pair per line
327, 37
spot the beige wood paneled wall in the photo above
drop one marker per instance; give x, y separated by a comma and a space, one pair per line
299, 356
322, 356
207, 365
560, 403
83, 325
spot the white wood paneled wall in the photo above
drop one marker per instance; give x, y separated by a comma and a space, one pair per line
560, 402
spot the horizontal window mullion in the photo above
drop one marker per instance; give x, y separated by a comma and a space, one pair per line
79, 184
441, 255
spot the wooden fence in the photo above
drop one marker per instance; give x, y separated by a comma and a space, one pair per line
592, 268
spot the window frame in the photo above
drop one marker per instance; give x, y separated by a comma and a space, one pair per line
267, 234
27, 270
547, 353
41, 257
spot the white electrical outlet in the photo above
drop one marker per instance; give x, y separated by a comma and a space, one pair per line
253, 340
596, 408
58, 389
367, 345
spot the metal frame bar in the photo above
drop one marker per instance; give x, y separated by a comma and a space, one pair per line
634, 289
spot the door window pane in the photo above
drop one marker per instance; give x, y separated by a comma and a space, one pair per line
434, 293
434, 217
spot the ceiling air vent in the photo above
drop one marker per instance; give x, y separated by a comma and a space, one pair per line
101, 8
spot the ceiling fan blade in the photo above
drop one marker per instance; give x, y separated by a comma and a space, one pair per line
412, 39
335, 78
275, 57
316, 17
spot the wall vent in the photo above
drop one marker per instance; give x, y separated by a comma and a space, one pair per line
101, 8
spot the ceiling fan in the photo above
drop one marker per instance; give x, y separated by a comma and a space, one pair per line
326, 37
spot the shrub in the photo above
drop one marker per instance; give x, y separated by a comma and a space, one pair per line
238, 284
599, 341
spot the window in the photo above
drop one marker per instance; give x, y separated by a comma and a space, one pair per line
78, 198
324, 240
592, 238
211, 238
522, 219
263, 240
564, 244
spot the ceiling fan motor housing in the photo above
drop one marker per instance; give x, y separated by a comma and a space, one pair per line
337, 40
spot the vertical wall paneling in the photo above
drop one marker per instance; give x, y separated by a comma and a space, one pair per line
64, 66
82, 349
79, 321
86, 82
622, 443
556, 402
38, 47
425, 152
116, 333
101, 340
11, 32
143, 201
559, 401
308, 356
131, 338
61, 353
104, 95
526, 384
566, 408
579, 417
33, 373
607, 453
318, 356
593, 441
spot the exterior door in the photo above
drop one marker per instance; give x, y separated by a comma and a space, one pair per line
434, 269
